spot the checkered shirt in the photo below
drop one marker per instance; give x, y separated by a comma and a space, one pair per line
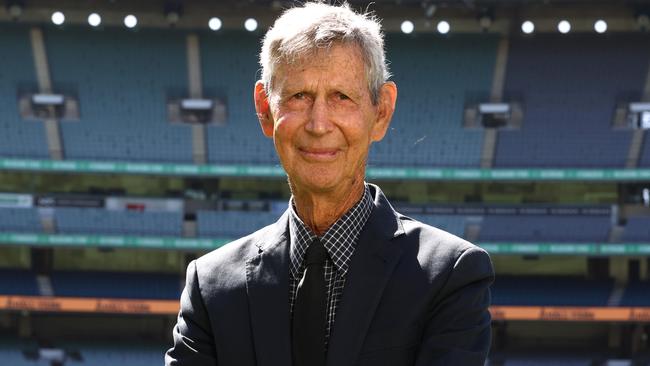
339, 240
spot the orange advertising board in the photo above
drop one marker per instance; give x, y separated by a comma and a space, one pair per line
170, 307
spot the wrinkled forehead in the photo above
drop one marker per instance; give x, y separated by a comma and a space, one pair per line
337, 59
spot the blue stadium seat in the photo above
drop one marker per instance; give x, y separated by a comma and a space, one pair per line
434, 76
129, 285
20, 220
123, 79
72, 220
232, 224
18, 138
636, 294
230, 70
18, 282
570, 86
552, 290
637, 230
551, 228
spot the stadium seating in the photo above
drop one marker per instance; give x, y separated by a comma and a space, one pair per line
570, 86
122, 79
454, 224
644, 159
636, 294
435, 76
129, 285
552, 290
229, 72
71, 220
232, 223
18, 282
555, 228
19, 220
637, 230
18, 137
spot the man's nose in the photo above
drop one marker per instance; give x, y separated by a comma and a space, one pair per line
320, 119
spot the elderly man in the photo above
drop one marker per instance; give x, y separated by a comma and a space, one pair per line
341, 279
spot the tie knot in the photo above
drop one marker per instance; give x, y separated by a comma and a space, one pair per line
316, 253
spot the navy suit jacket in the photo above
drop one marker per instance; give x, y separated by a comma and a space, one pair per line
414, 295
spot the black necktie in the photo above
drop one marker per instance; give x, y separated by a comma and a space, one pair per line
308, 339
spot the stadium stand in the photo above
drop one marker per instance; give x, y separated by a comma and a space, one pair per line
123, 80
229, 72
18, 137
19, 219
637, 230
570, 87
129, 285
72, 220
427, 128
454, 224
644, 159
636, 294
552, 290
232, 223
18, 282
557, 228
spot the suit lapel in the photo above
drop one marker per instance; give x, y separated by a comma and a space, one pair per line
267, 282
371, 267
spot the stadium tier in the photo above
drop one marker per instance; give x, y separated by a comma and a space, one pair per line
644, 160
636, 294
569, 87
232, 223
18, 282
19, 219
637, 229
123, 82
433, 83
230, 70
116, 285
556, 228
18, 137
550, 291
71, 220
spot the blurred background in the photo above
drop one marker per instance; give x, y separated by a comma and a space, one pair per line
129, 146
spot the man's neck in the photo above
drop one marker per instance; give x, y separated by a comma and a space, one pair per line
320, 211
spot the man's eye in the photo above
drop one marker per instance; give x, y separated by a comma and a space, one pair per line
299, 95
343, 96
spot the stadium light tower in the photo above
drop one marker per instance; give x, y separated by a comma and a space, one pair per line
443, 27
214, 23
600, 26
407, 27
94, 20
564, 26
250, 24
130, 21
58, 18
528, 27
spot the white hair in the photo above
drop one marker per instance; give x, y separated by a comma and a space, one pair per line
301, 31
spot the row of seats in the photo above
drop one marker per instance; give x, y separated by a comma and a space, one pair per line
492, 228
553, 290
123, 81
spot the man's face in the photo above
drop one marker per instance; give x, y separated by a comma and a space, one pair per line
322, 120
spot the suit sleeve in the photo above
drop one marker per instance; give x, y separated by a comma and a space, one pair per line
458, 330
193, 338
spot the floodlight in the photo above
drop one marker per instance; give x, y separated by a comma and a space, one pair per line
94, 20
130, 21
214, 23
443, 27
407, 27
564, 26
58, 18
600, 26
250, 24
528, 27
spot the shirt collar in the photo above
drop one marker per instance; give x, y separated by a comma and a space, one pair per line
339, 240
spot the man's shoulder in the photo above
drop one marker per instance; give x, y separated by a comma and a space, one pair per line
433, 242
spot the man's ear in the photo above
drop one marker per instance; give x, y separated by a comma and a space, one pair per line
385, 109
262, 109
